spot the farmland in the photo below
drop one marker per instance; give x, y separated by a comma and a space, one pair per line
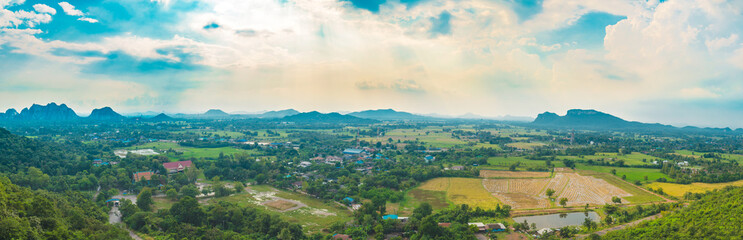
458, 191
531, 193
678, 190
634, 158
523, 163
512, 174
181, 152
633, 174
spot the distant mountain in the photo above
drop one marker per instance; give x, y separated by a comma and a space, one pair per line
105, 114
278, 114
9, 114
161, 118
216, 113
334, 118
592, 120
387, 115
50, 112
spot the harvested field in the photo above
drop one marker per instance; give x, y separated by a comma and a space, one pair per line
280, 204
531, 193
512, 174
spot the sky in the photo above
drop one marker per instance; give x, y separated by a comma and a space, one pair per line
675, 62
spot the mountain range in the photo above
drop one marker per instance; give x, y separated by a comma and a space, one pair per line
589, 119
578, 119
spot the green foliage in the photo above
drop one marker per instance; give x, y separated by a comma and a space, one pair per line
144, 199
27, 214
715, 216
190, 190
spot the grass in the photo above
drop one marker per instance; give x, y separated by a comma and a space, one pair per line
633, 174
191, 152
311, 220
678, 190
638, 195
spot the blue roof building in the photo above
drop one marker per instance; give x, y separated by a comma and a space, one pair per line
349, 199
391, 216
353, 151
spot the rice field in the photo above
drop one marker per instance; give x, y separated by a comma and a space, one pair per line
468, 191
531, 193
678, 190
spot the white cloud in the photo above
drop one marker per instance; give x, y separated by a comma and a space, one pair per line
313, 52
43, 8
86, 19
69, 9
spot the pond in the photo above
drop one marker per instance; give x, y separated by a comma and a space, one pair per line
559, 220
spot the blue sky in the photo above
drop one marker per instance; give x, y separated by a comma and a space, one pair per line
676, 62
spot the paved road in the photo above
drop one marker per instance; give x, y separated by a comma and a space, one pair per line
114, 216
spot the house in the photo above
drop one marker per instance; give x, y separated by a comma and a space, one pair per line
355, 206
305, 164
496, 227
480, 226
684, 163
353, 151
146, 175
544, 231
297, 184
457, 168
445, 225
403, 219
348, 199
429, 158
179, 166
97, 161
342, 237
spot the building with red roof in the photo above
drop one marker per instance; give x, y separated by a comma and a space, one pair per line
174, 167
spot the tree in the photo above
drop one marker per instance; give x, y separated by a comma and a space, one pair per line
187, 210
192, 173
172, 194
422, 211
239, 186
563, 201
550, 192
190, 190
613, 172
624, 177
616, 200
144, 199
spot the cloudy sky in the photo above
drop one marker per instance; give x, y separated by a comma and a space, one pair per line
677, 61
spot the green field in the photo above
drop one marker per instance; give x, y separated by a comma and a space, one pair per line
734, 157
505, 162
634, 158
633, 174
316, 216
191, 152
